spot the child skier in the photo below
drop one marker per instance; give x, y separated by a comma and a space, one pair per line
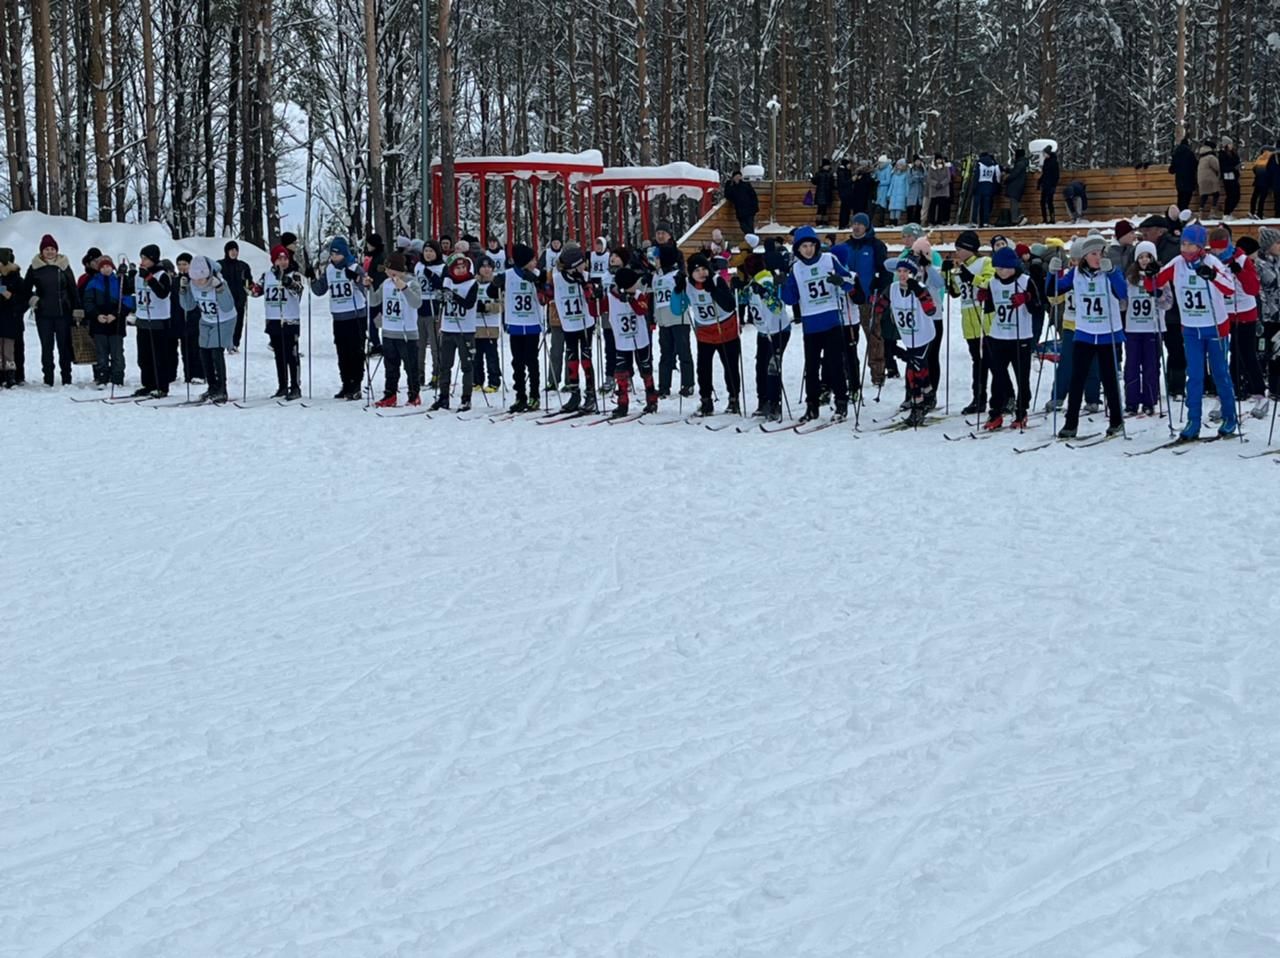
1242, 305
911, 310
524, 325
1200, 285
1143, 327
106, 305
772, 320
1012, 340
204, 291
673, 328
715, 327
281, 290
457, 330
184, 329
488, 327
628, 315
815, 284
571, 285
153, 306
1099, 299
343, 281
966, 274
430, 273
401, 296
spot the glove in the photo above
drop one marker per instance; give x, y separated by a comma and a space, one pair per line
680, 284
1152, 268
256, 289
914, 287
1017, 300
184, 282
351, 273
757, 289
966, 274
493, 291
1235, 268
1206, 272
947, 266
1055, 265
835, 279
459, 301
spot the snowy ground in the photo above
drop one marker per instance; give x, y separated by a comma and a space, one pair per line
310, 682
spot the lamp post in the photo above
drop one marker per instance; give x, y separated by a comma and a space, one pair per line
773, 106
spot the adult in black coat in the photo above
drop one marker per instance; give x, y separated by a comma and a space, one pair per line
237, 276
50, 288
746, 204
844, 189
824, 190
1050, 173
864, 188
1015, 184
1183, 165
1229, 166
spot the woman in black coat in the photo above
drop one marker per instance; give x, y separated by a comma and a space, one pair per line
50, 287
824, 189
1049, 175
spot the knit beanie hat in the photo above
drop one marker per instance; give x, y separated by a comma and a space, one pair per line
1195, 234
1123, 229
968, 240
1005, 258
1090, 243
397, 262
277, 251
1145, 247
521, 255
46, 241
152, 252
908, 264
922, 248
231, 245
862, 219
6, 256
625, 278
1022, 249
1268, 236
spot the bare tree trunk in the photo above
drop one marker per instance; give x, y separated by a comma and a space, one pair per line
206, 117
267, 126
444, 119
1048, 72
1180, 77
14, 108
76, 154
250, 206
375, 112
97, 82
642, 84
117, 113
47, 152
1221, 66
233, 125
151, 150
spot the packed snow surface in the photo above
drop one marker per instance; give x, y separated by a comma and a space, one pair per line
310, 682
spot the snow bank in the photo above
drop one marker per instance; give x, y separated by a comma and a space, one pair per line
22, 232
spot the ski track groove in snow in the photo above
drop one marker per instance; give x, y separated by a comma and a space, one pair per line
348, 688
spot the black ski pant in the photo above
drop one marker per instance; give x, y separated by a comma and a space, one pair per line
730, 353
524, 363
153, 357
770, 348
1048, 211
348, 342
486, 355
1184, 197
1273, 359
395, 352
109, 359
1004, 354
824, 364
192, 363
20, 354
934, 355
1084, 355
577, 355
673, 342
1246, 370
284, 344
461, 345
55, 331
214, 362
1175, 363
1231, 196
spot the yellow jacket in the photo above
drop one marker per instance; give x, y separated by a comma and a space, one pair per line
972, 320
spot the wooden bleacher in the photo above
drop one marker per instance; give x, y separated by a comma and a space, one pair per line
1116, 193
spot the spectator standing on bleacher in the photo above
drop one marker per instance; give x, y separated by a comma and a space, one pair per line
1258, 198
1015, 184
824, 189
1049, 175
1183, 166
1208, 178
1229, 167
937, 191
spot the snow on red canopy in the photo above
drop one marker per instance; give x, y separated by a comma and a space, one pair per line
672, 179
576, 167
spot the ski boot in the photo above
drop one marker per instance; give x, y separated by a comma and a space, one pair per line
706, 407
916, 418
414, 400
465, 405
842, 411
533, 405
1092, 408
573, 403
141, 391
341, 393
1230, 427
775, 412
1190, 432
294, 392
1115, 430
619, 411
589, 402
440, 403
1065, 433
280, 393
686, 391
974, 407
811, 413
759, 412
732, 408
386, 402
651, 407
1019, 424
519, 406
993, 424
